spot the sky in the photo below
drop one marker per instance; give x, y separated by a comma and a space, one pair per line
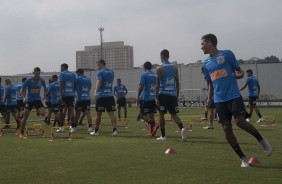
47, 33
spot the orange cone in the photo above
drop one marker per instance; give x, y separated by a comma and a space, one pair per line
170, 151
253, 161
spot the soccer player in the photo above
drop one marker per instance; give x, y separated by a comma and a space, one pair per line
167, 93
2, 100
254, 90
11, 102
67, 86
33, 99
104, 96
83, 99
222, 71
147, 87
54, 94
48, 103
120, 92
20, 103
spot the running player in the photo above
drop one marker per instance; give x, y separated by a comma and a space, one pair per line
104, 96
20, 103
48, 104
32, 87
222, 71
254, 90
67, 86
147, 100
83, 99
54, 94
120, 92
167, 93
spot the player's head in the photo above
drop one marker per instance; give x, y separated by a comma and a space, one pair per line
64, 67
54, 78
147, 65
209, 42
36, 72
8, 82
164, 55
23, 80
50, 81
249, 72
100, 64
118, 81
79, 72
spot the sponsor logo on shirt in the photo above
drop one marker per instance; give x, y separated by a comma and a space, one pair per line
218, 74
220, 59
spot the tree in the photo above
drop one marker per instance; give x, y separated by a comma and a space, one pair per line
272, 59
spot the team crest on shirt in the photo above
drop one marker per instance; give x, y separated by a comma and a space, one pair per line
220, 59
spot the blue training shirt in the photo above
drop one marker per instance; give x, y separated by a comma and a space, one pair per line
33, 88
219, 69
11, 95
19, 87
253, 84
2, 91
83, 87
148, 80
168, 83
106, 75
54, 90
119, 90
68, 78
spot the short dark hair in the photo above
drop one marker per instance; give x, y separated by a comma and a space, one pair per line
80, 71
249, 71
50, 80
101, 61
36, 69
210, 38
55, 76
23, 79
165, 53
65, 65
148, 65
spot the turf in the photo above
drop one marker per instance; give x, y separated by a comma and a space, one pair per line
132, 157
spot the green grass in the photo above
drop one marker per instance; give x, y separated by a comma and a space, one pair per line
132, 157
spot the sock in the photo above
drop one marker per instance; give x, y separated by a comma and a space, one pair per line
163, 132
114, 129
206, 114
96, 130
180, 125
259, 115
238, 151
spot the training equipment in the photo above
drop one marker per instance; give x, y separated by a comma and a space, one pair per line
61, 134
169, 151
9, 128
34, 130
122, 122
268, 121
253, 161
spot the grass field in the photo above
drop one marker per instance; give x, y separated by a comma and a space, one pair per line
132, 157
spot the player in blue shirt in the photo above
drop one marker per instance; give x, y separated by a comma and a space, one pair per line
222, 71
147, 102
54, 94
83, 99
11, 102
120, 92
167, 93
48, 104
20, 103
104, 96
67, 83
254, 90
32, 88
2, 100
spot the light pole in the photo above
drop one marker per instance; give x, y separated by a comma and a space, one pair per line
101, 39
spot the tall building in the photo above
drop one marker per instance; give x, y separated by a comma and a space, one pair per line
117, 56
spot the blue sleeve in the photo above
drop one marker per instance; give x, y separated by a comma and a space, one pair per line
25, 84
99, 76
142, 81
43, 83
61, 78
206, 73
115, 88
125, 88
248, 81
232, 61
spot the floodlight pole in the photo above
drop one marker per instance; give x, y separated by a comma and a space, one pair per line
101, 39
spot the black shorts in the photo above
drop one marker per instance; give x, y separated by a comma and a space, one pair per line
226, 110
68, 101
169, 103
82, 106
11, 108
37, 104
54, 107
48, 104
253, 100
2, 108
20, 105
121, 102
148, 107
107, 103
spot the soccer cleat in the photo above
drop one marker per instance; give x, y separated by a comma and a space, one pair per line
115, 133
161, 138
266, 146
94, 133
90, 129
22, 136
184, 134
72, 129
154, 130
244, 162
60, 130
248, 120
208, 127
260, 120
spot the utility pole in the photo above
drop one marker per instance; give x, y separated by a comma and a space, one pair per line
101, 39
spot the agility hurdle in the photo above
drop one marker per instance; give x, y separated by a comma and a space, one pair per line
34, 130
123, 122
66, 134
9, 128
268, 121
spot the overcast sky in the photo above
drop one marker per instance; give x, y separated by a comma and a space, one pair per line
46, 33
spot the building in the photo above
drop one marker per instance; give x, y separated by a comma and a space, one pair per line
117, 56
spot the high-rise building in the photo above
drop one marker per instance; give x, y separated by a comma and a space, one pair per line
117, 56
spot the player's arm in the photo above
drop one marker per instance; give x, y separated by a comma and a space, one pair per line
158, 82
44, 87
98, 86
23, 93
210, 95
239, 73
243, 87
258, 89
176, 81
115, 91
125, 91
140, 89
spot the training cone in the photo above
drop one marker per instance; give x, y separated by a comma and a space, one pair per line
170, 151
253, 161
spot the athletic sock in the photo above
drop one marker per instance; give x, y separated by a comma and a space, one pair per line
163, 132
180, 125
114, 129
259, 115
206, 114
96, 130
238, 151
